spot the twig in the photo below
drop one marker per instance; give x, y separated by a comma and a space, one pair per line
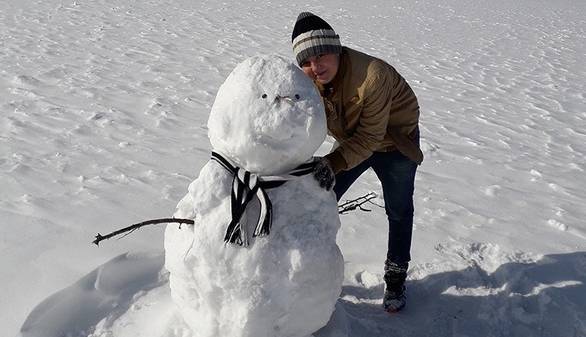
374, 203
353, 204
343, 208
134, 227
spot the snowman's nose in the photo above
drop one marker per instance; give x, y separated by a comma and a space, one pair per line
288, 99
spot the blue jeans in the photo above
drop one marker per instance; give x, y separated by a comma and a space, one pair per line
397, 176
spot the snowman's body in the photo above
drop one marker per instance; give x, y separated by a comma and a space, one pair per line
267, 119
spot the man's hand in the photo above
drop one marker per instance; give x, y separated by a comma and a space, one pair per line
324, 174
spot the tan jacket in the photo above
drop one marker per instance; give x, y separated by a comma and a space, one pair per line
370, 107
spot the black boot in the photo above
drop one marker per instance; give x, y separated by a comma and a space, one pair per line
395, 296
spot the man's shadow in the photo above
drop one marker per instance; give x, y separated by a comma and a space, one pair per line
544, 298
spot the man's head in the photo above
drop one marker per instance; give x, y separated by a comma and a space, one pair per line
316, 47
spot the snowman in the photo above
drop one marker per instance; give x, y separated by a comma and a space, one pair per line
261, 259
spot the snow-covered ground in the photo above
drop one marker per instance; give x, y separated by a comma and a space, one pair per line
103, 111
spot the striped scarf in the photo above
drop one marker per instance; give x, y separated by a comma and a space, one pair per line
245, 186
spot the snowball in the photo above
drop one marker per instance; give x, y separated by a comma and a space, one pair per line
268, 116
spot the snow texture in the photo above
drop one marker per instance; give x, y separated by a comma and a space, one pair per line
110, 288
267, 117
103, 123
283, 284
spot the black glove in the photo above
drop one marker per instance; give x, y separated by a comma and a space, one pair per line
324, 174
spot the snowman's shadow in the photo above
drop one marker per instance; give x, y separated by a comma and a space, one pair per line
545, 298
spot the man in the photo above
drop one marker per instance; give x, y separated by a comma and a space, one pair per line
374, 115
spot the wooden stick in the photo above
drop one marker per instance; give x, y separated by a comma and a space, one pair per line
351, 205
134, 227
342, 209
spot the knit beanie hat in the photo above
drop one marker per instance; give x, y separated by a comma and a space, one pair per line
313, 36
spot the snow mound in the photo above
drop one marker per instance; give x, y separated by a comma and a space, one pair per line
106, 291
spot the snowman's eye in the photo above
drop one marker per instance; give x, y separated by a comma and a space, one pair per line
297, 96
264, 96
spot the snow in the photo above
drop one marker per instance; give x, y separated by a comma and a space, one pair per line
267, 116
107, 289
103, 118
283, 284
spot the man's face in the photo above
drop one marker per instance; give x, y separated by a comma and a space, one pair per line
321, 68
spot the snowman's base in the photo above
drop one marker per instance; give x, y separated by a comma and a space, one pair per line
128, 296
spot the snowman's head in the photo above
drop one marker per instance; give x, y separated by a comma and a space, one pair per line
268, 116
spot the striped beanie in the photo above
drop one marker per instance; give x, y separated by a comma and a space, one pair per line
313, 36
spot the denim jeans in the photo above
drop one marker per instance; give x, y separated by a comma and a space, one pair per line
397, 176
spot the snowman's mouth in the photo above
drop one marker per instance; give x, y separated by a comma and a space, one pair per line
288, 99
296, 97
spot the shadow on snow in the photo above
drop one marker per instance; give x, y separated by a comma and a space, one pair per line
546, 298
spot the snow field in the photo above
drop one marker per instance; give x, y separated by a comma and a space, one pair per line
102, 124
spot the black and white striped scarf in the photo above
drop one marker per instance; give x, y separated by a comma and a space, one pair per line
245, 186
